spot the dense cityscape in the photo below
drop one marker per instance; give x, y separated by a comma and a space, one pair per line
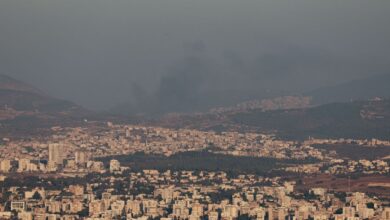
194, 110
73, 174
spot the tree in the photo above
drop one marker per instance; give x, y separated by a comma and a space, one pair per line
339, 211
244, 217
37, 196
370, 205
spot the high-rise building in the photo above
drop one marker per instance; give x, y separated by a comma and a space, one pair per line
81, 157
56, 154
5, 166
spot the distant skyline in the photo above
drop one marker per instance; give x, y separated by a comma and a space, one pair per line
180, 53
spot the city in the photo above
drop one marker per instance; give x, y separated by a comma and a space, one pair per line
73, 178
194, 110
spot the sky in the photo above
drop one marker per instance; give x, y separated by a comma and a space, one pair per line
180, 55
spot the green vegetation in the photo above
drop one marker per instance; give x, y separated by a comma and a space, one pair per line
355, 152
202, 161
337, 120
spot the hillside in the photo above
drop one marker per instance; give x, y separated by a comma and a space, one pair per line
21, 97
24, 107
362, 89
360, 119
11, 84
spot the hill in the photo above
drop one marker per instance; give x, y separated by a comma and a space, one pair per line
21, 97
11, 84
359, 119
362, 89
24, 107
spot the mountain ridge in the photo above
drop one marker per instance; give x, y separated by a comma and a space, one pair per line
20, 96
24, 107
358, 119
9, 83
359, 89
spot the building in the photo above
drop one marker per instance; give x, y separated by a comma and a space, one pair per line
386, 214
5, 166
96, 207
56, 154
81, 157
114, 166
23, 165
18, 205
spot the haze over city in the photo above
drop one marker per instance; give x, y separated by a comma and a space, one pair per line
185, 54
194, 110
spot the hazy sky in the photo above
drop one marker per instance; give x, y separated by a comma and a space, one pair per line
101, 53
